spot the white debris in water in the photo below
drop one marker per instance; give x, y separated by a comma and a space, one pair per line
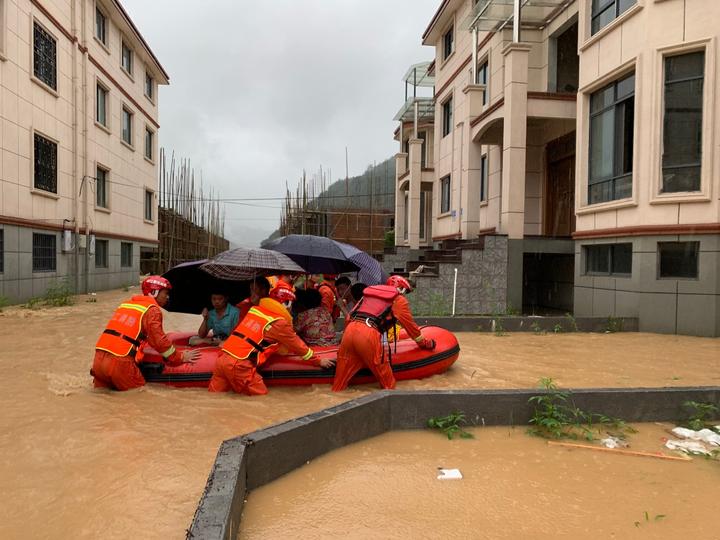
705, 435
449, 474
689, 447
613, 442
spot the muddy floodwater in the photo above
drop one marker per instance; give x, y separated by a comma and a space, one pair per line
513, 486
80, 463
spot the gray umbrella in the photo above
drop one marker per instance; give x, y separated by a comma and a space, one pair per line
246, 263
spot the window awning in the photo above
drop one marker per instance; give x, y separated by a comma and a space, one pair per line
418, 75
426, 109
490, 15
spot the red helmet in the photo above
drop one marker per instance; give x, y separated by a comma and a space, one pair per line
330, 277
282, 292
400, 283
152, 284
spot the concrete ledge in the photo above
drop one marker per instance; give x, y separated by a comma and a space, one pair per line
247, 462
509, 323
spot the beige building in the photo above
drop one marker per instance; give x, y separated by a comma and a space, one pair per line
78, 173
584, 141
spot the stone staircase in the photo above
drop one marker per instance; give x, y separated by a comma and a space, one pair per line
428, 260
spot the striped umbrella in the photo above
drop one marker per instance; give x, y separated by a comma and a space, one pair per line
247, 263
370, 270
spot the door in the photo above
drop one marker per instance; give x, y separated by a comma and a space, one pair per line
560, 187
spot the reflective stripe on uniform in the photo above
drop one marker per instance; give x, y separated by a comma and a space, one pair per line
308, 354
167, 354
136, 307
419, 338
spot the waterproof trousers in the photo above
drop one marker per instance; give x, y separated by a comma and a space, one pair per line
361, 346
238, 375
115, 372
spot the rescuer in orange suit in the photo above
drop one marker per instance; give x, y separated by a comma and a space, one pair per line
329, 295
258, 335
135, 322
362, 345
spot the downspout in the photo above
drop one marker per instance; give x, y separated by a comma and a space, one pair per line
77, 185
83, 42
461, 125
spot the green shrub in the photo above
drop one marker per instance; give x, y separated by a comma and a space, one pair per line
59, 293
4, 302
390, 239
450, 425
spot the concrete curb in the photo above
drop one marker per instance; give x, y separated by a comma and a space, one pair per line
248, 462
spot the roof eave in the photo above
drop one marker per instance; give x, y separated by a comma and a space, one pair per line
428, 31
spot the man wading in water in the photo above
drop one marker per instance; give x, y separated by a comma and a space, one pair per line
136, 321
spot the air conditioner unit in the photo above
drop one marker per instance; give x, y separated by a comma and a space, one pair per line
67, 241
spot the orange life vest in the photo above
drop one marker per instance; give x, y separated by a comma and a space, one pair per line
123, 334
375, 307
335, 310
247, 340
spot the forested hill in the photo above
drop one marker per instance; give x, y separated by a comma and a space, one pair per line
378, 180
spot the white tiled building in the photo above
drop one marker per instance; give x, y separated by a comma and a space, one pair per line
78, 176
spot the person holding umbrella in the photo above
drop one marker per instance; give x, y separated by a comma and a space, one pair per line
373, 316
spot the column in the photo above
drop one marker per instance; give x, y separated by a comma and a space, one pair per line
400, 161
414, 189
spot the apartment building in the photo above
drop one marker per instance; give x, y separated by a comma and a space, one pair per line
582, 141
79, 116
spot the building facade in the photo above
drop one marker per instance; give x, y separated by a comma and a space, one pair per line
79, 146
586, 137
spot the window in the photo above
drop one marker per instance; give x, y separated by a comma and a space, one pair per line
149, 138
45, 162
567, 61
445, 194
149, 199
483, 177
612, 112
682, 125
448, 43
447, 117
127, 128
422, 135
101, 253
100, 26
2, 251
101, 190
149, 85
678, 259
605, 11
482, 78
44, 56
43, 254
126, 58
101, 102
126, 253
609, 259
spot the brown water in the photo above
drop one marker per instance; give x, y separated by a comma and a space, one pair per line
513, 486
75, 462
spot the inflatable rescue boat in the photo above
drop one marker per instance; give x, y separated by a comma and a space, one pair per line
408, 362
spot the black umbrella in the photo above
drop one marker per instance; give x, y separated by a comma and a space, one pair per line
247, 263
192, 288
316, 254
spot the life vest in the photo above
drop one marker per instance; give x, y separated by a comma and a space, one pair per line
375, 307
247, 340
335, 310
276, 308
123, 334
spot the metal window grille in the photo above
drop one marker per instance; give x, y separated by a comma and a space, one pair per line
148, 144
149, 205
44, 57
101, 188
100, 26
126, 254
44, 253
101, 253
2, 251
45, 164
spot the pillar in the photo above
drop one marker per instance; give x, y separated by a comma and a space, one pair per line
400, 163
414, 185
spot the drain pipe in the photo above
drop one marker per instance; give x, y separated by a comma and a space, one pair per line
454, 292
77, 186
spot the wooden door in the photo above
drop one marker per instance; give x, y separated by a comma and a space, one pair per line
560, 187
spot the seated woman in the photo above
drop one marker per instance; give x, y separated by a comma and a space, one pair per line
313, 323
218, 322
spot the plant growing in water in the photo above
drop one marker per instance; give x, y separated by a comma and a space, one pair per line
699, 414
4, 302
59, 293
572, 322
450, 425
535, 327
613, 324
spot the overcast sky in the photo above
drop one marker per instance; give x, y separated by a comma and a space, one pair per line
260, 90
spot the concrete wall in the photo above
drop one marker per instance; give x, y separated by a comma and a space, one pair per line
682, 306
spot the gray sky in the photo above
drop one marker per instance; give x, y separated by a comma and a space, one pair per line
261, 90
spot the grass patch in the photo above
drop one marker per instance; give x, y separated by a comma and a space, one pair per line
4, 302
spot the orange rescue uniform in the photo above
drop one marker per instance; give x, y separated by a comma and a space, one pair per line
361, 346
135, 322
258, 335
328, 296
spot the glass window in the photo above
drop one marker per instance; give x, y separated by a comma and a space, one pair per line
44, 56
612, 126
482, 78
126, 58
678, 259
101, 188
101, 102
101, 253
682, 123
100, 26
448, 43
126, 253
149, 198
45, 164
149, 85
43, 254
127, 118
483, 177
149, 138
447, 109
605, 11
609, 259
445, 195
